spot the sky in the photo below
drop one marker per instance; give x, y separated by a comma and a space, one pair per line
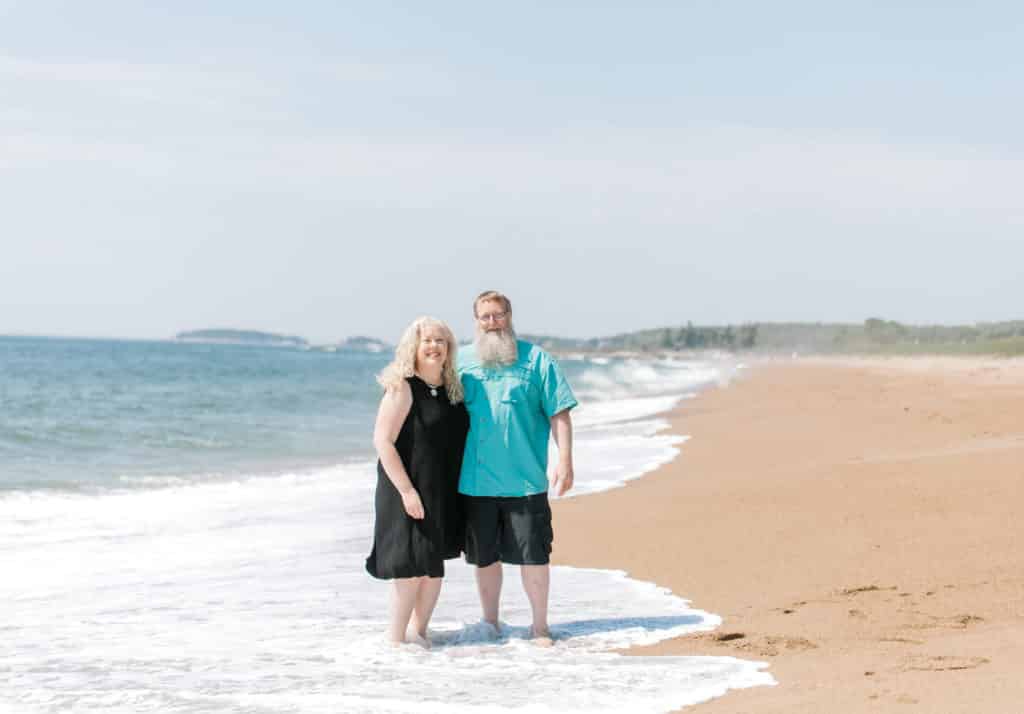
329, 169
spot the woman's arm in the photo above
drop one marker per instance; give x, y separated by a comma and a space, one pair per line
394, 408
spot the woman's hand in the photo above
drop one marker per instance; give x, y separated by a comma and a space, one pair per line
412, 504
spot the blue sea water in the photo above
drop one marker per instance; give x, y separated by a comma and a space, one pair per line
94, 415
183, 528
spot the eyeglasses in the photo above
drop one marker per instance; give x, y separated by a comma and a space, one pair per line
434, 341
492, 317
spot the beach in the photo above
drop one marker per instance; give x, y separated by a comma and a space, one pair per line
856, 523
844, 532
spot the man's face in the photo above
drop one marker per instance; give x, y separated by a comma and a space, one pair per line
491, 316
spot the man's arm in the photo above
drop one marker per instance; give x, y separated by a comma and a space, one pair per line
561, 428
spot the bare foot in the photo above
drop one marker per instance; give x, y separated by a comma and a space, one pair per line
541, 638
490, 630
415, 638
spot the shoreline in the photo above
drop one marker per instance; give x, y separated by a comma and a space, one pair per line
852, 522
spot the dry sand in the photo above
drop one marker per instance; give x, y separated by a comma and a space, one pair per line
857, 523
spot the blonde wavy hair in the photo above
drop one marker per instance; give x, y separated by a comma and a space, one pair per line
404, 363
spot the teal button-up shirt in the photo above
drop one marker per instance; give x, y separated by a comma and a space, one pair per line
510, 409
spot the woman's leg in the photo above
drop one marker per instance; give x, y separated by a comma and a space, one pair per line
426, 599
403, 600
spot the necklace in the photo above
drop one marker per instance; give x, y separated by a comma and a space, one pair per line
433, 387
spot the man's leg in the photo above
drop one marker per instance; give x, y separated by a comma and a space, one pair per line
483, 531
537, 583
529, 537
488, 585
426, 599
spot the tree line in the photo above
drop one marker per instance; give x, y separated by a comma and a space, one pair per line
874, 335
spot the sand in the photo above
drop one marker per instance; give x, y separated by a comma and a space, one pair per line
858, 523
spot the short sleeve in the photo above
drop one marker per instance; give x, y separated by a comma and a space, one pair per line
556, 395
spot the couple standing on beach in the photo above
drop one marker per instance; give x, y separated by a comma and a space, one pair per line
463, 447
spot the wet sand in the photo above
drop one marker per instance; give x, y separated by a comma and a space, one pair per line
858, 523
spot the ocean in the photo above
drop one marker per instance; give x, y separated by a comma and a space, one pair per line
183, 528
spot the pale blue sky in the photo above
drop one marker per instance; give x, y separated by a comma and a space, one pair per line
330, 168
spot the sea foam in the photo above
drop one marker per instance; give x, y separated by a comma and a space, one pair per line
249, 595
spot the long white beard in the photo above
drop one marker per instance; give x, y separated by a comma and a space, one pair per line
497, 348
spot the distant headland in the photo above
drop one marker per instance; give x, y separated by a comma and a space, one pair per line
225, 336
241, 337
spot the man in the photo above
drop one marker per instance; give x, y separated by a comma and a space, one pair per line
517, 397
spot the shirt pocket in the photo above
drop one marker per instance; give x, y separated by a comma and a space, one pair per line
514, 390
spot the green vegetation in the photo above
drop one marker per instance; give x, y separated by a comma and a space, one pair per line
873, 336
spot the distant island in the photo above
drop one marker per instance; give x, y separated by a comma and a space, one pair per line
368, 345
241, 337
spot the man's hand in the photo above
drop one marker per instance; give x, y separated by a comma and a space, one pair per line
561, 479
412, 504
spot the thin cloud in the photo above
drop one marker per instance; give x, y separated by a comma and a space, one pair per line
82, 86
704, 176
694, 173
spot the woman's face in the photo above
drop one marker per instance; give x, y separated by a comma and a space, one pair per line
433, 348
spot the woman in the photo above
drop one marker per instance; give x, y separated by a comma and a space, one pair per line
419, 436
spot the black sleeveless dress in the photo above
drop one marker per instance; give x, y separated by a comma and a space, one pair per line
430, 444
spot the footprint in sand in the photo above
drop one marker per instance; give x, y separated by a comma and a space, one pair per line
767, 646
770, 645
729, 636
792, 608
943, 663
954, 622
794, 643
901, 640
865, 589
